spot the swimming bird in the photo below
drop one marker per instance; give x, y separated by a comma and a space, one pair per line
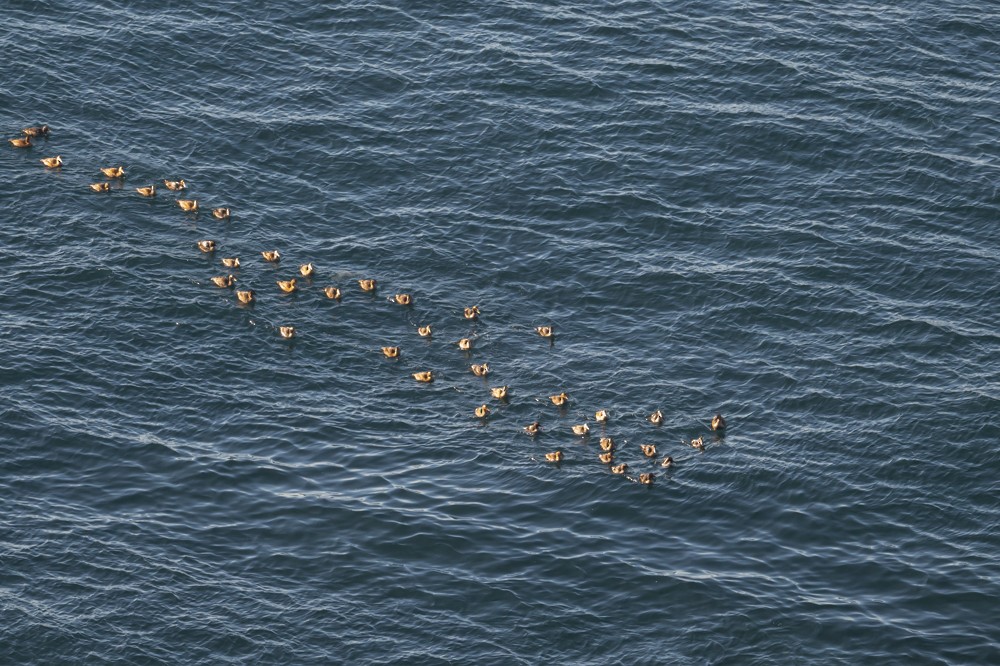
500, 392
698, 443
307, 270
113, 172
287, 331
555, 456
648, 450
619, 469
206, 245
52, 162
38, 130
224, 281
426, 376
246, 297
667, 462
582, 429
287, 286
403, 299
480, 370
21, 142
221, 213
231, 262
465, 344
544, 331
471, 313
100, 187
559, 400
188, 205
391, 352
272, 256
646, 478
718, 423
656, 418
175, 185
607, 444
482, 411
601, 416
533, 428
607, 457
332, 292
147, 191
424, 331
368, 285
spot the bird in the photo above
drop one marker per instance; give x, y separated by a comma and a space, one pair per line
147, 191
601, 416
52, 162
101, 187
332, 292
188, 205
307, 270
231, 262
555, 456
246, 297
533, 428
206, 245
544, 331
175, 185
619, 469
21, 142
367, 285
221, 213
480, 370
718, 423
698, 443
667, 462
424, 331
224, 281
38, 130
482, 411
607, 457
287, 331
648, 450
426, 376
287, 286
646, 478
465, 344
581, 429
272, 256
471, 313
607, 444
403, 299
500, 392
559, 400
113, 172
391, 352
656, 418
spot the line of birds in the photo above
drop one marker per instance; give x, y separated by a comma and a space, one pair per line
607, 444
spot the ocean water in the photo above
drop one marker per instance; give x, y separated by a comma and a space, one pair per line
783, 212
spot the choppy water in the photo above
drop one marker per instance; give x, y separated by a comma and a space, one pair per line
786, 212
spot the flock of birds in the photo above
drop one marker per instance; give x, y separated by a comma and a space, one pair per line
608, 445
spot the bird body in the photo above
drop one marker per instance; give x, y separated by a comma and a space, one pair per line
581, 430
100, 187
188, 205
424, 331
465, 344
500, 392
555, 456
113, 172
19, 142
221, 213
147, 191
646, 478
272, 256
426, 376
307, 270
403, 299
471, 313
287, 286
332, 292
391, 352
52, 162
206, 245
559, 400
601, 416
718, 423
482, 411
698, 443
648, 450
533, 428
224, 281
367, 285
544, 331
480, 370
246, 297
667, 462
38, 130
231, 262
287, 332
656, 418
607, 457
620, 468
175, 185
607, 444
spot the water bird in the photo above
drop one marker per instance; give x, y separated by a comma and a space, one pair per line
607, 444
287, 286
555, 456
367, 285
559, 400
188, 205
607, 457
601, 416
391, 352
424, 331
667, 462
646, 478
482, 411
544, 331
246, 297
113, 172
231, 262
480, 369
19, 142
206, 245
147, 191
656, 418
718, 423
332, 292
648, 450
221, 213
307, 270
287, 332
272, 256
698, 443
581, 429
403, 299
619, 469
38, 130
100, 187
224, 281
471, 313
175, 185
465, 344
500, 392
426, 376
52, 162
533, 428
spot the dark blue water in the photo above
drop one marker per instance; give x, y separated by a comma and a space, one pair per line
784, 212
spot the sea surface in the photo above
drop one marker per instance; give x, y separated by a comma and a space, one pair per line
783, 212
